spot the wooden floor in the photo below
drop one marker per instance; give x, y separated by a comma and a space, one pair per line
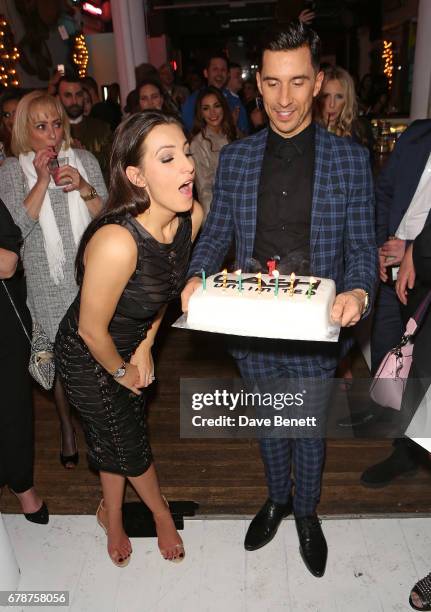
223, 476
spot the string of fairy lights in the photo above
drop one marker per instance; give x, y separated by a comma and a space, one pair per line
9, 56
80, 55
388, 59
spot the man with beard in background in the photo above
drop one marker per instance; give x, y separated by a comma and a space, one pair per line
87, 132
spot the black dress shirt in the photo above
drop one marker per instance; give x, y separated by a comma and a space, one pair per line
284, 201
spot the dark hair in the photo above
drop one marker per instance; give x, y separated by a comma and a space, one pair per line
132, 102
216, 56
234, 65
69, 77
10, 94
114, 92
151, 81
199, 125
293, 35
145, 71
90, 83
124, 197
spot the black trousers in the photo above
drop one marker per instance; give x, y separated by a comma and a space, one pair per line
16, 412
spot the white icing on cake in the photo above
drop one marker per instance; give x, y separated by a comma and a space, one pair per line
261, 313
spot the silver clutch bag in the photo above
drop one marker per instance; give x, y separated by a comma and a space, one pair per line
42, 364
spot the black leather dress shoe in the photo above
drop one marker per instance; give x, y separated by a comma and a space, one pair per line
312, 544
265, 524
41, 516
381, 474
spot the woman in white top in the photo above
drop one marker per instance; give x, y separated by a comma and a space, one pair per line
213, 129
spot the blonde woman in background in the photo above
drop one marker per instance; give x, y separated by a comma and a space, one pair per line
52, 191
337, 108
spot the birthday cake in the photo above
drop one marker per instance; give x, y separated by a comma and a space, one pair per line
264, 306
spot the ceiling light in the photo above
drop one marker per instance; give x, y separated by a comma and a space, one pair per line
90, 8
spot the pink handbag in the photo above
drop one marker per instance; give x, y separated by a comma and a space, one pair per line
390, 379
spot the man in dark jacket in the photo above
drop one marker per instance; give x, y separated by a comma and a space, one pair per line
403, 202
87, 132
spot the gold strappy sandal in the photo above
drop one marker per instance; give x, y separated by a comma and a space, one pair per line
179, 547
120, 562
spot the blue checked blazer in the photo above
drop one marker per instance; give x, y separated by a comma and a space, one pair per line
342, 241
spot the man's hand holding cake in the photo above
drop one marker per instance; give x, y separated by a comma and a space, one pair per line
349, 307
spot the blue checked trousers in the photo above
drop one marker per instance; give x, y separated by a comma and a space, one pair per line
289, 461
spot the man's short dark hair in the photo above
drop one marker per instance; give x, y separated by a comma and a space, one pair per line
69, 77
234, 65
216, 55
293, 35
10, 94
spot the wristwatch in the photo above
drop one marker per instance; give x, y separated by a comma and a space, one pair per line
90, 196
120, 372
366, 303
366, 300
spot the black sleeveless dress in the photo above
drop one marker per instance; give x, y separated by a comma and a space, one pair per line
113, 418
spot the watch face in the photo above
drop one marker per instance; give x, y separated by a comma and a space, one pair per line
119, 373
366, 303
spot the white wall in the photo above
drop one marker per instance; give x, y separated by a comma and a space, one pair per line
102, 63
421, 88
128, 18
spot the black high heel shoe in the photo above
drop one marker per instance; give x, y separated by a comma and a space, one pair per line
67, 459
41, 516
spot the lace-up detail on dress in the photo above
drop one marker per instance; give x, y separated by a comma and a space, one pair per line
112, 417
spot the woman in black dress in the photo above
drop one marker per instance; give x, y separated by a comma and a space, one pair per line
131, 262
16, 408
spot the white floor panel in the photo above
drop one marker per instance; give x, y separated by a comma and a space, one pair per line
266, 575
372, 565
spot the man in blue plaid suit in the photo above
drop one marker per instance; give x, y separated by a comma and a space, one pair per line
341, 245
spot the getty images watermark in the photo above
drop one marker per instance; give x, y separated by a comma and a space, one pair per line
283, 408
243, 400
230, 408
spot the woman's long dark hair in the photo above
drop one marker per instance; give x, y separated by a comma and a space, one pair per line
124, 197
227, 125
